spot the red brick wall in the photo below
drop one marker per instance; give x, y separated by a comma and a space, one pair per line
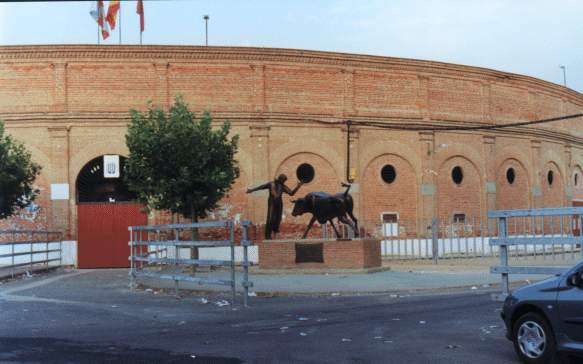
109, 87
206, 87
353, 254
515, 195
553, 194
384, 94
26, 87
463, 198
304, 90
399, 196
86, 92
455, 98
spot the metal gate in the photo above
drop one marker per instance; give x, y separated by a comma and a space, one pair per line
103, 233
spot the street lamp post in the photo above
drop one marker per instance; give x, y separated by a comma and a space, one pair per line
206, 29
564, 75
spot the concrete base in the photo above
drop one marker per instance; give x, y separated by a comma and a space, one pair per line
331, 255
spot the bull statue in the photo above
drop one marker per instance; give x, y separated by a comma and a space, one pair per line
324, 207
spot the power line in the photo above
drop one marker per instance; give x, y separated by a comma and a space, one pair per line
424, 127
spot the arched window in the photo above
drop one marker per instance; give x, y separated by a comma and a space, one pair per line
510, 175
550, 177
388, 174
305, 172
457, 175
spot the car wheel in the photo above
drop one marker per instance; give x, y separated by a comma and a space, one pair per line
533, 340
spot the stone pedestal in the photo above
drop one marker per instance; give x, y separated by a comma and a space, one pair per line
320, 254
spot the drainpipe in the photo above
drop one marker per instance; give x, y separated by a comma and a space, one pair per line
348, 122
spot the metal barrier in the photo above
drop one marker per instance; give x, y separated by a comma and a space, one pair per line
447, 239
435, 239
555, 232
28, 249
150, 251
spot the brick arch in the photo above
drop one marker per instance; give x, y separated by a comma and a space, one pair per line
326, 179
90, 151
32, 220
79, 160
553, 195
515, 195
464, 198
578, 188
42, 182
39, 157
236, 201
399, 196
466, 152
511, 152
551, 156
281, 154
395, 148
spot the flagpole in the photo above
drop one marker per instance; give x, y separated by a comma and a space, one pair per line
120, 22
98, 42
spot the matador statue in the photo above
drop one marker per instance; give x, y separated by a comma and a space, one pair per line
275, 204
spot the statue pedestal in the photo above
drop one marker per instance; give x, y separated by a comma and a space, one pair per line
320, 254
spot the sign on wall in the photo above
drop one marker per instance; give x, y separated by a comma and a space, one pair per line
111, 166
59, 191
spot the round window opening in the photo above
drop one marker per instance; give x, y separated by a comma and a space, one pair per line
305, 172
388, 174
457, 175
510, 175
550, 178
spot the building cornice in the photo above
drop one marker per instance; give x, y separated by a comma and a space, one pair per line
267, 120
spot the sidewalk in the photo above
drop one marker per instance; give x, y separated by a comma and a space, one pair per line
402, 277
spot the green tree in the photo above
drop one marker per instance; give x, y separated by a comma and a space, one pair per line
17, 175
179, 163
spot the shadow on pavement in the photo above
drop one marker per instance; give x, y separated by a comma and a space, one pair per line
48, 350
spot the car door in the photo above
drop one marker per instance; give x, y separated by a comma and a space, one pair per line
570, 302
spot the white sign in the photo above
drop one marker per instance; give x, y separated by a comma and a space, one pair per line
111, 166
59, 191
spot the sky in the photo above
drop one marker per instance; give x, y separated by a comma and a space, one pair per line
529, 37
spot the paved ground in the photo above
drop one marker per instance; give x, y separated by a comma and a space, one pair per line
403, 276
91, 317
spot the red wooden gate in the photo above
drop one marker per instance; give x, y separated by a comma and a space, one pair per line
102, 235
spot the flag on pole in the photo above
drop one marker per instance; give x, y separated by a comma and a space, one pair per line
112, 11
140, 12
99, 15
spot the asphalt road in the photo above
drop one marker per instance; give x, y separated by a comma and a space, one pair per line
93, 318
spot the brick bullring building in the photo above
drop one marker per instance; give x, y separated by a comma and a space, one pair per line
69, 105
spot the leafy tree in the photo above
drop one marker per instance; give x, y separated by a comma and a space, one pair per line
179, 163
17, 174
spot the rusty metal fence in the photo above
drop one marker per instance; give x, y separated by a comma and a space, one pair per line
29, 250
165, 252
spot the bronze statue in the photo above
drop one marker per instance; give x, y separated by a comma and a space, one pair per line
324, 207
275, 204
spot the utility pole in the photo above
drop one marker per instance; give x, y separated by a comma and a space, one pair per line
564, 75
206, 29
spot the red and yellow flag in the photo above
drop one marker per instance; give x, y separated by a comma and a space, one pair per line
112, 11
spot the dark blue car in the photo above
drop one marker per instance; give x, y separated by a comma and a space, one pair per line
545, 320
